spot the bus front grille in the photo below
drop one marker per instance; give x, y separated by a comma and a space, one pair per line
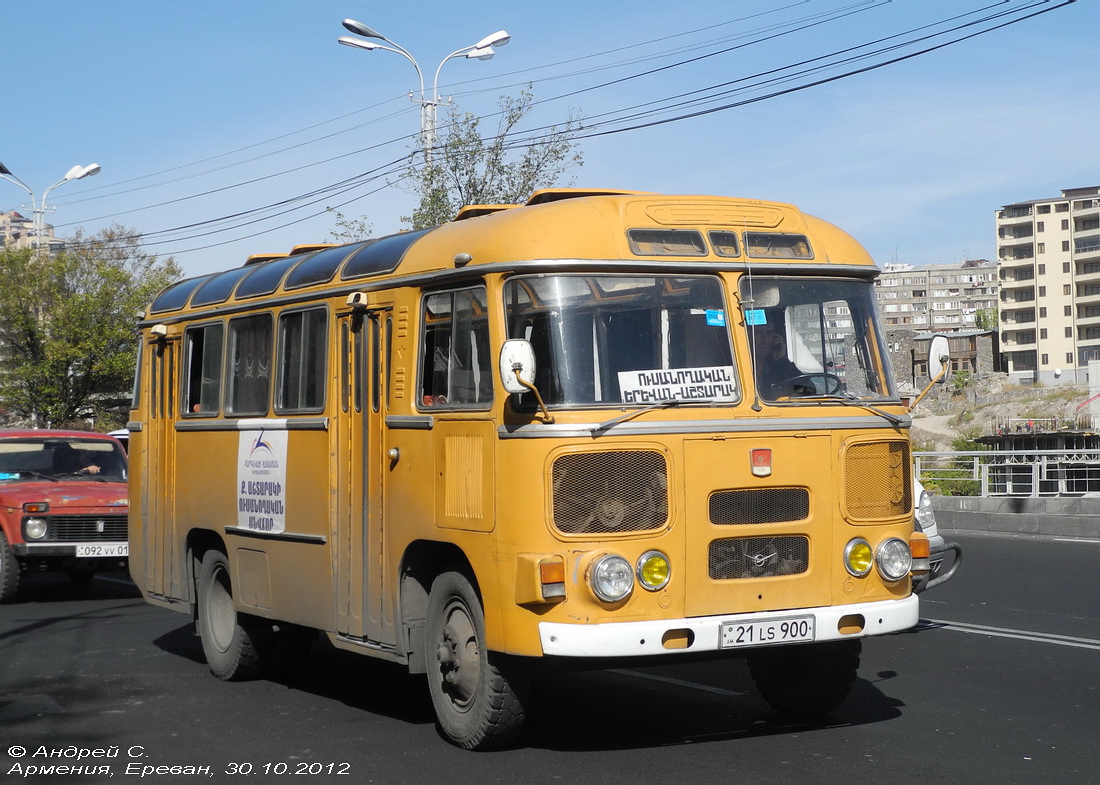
758, 557
877, 480
759, 505
610, 492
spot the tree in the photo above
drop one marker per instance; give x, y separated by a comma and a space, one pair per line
465, 168
986, 319
68, 326
349, 230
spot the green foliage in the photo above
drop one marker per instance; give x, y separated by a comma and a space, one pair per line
349, 230
466, 168
68, 327
986, 319
959, 381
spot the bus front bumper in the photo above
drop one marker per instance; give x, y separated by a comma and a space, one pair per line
728, 632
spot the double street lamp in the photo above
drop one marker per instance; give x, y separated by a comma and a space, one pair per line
482, 50
38, 208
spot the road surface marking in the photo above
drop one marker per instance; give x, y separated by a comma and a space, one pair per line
1023, 635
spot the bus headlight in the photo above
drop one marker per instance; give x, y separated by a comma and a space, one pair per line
653, 570
34, 528
894, 559
858, 557
611, 578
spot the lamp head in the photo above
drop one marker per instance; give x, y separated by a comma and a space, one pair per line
482, 53
499, 38
361, 29
358, 43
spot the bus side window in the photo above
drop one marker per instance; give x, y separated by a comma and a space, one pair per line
456, 364
249, 365
303, 349
202, 369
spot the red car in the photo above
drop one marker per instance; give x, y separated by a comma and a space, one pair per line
63, 504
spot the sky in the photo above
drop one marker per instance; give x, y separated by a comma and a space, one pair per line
225, 129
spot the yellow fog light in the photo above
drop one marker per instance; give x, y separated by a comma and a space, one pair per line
858, 557
653, 570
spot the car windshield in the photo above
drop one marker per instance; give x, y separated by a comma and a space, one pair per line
815, 338
54, 458
617, 339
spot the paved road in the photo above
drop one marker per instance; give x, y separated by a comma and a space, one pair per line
997, 685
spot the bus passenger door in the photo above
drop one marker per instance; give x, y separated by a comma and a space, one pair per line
162, 573
360, 580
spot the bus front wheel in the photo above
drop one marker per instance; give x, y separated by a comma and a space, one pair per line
805, 680
231, 645
479, 699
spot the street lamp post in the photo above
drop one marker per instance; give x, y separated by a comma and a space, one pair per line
482, 50
38, 207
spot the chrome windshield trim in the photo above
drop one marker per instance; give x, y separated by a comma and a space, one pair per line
756, 425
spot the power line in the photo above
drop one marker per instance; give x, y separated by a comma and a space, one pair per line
700, 102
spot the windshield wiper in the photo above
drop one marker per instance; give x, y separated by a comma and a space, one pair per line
37, 475
849, 399
596, 429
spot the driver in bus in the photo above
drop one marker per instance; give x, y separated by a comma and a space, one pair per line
773, 367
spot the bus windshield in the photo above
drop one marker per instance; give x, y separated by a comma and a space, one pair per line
615, 339
815, 338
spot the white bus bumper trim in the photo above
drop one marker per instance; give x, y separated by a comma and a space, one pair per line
647, 638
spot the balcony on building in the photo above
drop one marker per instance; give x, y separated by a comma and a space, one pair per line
1015, 213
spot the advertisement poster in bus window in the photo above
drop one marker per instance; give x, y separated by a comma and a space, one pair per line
261, 481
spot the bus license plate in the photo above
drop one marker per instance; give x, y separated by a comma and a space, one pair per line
798, 629
110, 550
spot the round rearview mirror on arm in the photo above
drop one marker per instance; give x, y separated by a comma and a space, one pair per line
517, 365
938, 357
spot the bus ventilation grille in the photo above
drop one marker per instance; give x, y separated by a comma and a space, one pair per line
610, 492
758, 557
759, 505
878, 481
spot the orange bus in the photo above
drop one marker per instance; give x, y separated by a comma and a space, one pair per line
600, 427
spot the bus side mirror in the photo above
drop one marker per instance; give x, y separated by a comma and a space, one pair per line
938, 356
939, 360
517, 365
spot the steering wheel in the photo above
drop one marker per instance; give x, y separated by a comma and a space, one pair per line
807, 384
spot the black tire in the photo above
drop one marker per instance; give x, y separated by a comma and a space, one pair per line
479, 698
806, 680
233, 644
9, 571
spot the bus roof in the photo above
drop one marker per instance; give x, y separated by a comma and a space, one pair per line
554, 225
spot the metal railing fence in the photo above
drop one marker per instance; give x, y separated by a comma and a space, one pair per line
1010, 472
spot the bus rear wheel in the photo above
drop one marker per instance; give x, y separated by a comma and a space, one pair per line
231, 644
807, 680
479, 699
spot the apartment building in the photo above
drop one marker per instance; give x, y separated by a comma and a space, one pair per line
1049, 255
17, 231
938, 297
